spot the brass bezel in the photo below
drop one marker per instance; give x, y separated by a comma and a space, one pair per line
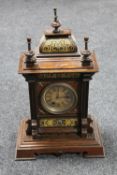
52, 110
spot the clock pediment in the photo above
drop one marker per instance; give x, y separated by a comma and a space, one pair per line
57, 65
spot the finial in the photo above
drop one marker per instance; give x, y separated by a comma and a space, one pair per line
86, 53
86, 39
30, 59
55, 24
55, 14
29, 43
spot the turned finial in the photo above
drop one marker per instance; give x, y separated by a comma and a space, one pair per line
29, 43
55, 24
86, 61
86, 39
30, 59
55, 14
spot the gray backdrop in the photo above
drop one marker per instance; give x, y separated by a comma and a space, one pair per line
18, 19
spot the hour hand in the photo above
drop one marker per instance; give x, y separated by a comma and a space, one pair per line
57, 94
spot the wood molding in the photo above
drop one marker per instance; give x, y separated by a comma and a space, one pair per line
29, 148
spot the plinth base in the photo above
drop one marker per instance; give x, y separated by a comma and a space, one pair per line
29, 148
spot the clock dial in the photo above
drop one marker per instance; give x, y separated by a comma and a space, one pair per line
58, 98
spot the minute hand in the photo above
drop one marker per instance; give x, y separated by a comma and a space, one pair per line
63, 96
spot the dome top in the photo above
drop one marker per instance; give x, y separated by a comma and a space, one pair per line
57, 40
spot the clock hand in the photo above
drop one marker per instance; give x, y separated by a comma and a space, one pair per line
57, 95
58, 92
63, 96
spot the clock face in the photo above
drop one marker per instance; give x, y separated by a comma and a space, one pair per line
58, 98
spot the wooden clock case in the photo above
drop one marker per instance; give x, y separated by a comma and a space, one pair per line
81, 134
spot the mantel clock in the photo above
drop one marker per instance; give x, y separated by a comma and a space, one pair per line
58, 75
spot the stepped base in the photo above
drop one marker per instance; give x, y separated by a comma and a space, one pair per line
29, 148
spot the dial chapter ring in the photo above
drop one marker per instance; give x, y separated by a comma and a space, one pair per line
59, 110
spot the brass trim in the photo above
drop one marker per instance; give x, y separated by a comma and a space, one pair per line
57, 45
61, 122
